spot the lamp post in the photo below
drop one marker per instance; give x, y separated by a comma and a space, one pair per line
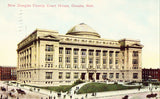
7, 89
150, 84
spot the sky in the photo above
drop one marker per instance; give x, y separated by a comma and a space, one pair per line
112, 19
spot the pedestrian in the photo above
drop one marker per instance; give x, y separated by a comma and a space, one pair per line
156, 87
74, 91
86, 96
64, 96
70, 97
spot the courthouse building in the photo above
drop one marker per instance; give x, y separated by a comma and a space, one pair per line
47, 58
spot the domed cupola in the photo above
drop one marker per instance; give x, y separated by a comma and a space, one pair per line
83, 30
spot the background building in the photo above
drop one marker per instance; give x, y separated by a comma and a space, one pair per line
8, 73
47, 58
150, 74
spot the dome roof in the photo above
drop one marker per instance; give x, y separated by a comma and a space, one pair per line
83, 30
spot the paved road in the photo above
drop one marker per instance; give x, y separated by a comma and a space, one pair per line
29, 94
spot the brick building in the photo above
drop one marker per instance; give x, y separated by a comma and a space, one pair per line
8, 73
153, 74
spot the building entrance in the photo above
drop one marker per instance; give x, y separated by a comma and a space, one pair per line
91, 76
83, 76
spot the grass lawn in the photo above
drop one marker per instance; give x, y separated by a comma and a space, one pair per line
100, 87
62, 88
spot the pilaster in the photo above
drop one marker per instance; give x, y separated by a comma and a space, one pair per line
63, 59
101, 59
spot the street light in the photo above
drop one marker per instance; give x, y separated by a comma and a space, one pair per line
150, 84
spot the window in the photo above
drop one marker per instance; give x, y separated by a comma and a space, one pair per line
122, 61
104, 61
68, 75
83, 52
110, 54
75, 75
117, 67
117, 75
90, 60
68, 59
48, 75
97, 61
135, 61
97, 53
135, 75
116, 61
48, 65
49, 57
110, 75
76, 60
122, 53
122, 75
83, 66
135, 53
60, 66
104, 76
75, 66
68, 66
91, 53
117, 54
68, 51
75, 52
90, 66
83, 60
60, 59
49, 48
104, 67
104, 53
110, 67
60, 75
110, 61
60, 51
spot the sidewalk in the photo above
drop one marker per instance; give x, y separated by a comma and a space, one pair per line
42, 93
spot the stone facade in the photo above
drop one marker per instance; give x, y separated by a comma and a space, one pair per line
46, 58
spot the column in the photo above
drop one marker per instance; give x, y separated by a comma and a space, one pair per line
101, 59
100, 76
114, 60
25, 58
108, 59
94, 59
79, 75
37, 56
139, 59
64, 55
18, 60
94, 76
130, 65
87, 62
72, 58
86, 76
79, 58
29, 60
